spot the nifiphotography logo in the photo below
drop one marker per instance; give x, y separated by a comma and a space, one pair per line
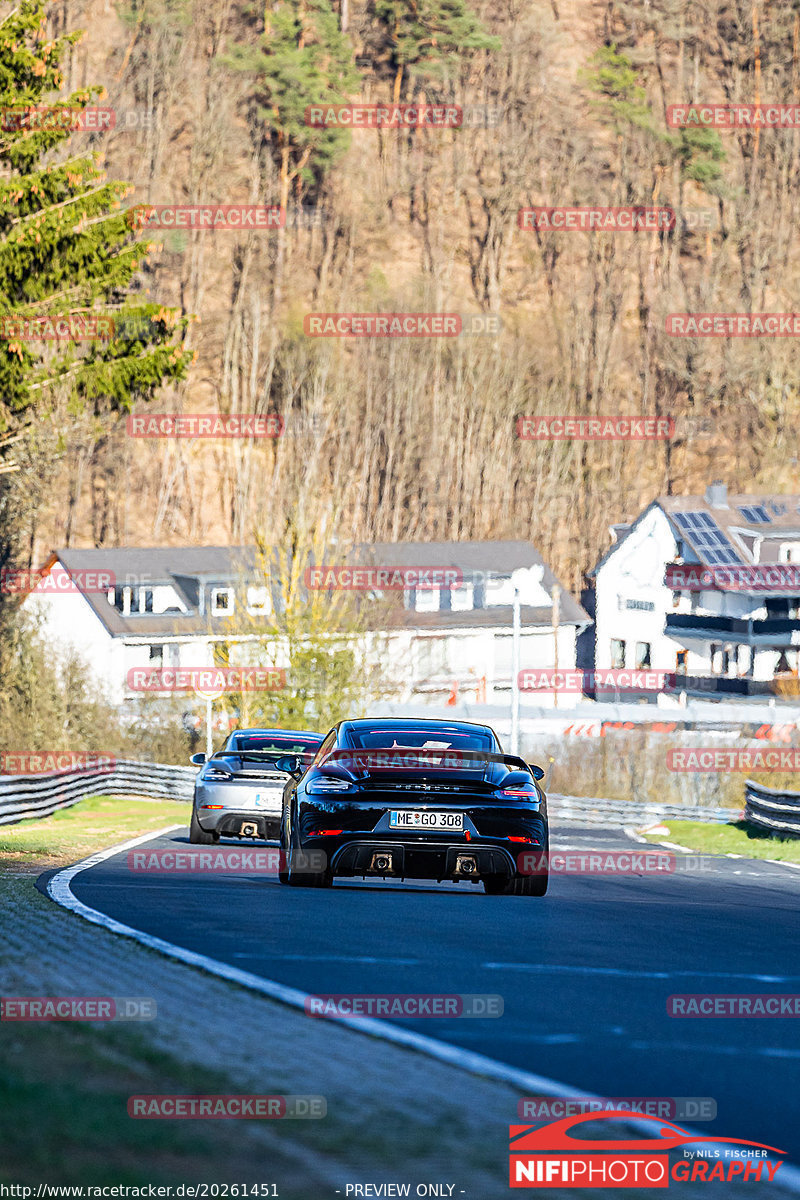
551, 1156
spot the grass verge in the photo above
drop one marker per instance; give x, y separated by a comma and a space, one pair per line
736, 838
90, 825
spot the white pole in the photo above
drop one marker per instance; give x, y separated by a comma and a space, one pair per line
515, 675
209, 735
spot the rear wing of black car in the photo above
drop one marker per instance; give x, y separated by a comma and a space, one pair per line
410, 758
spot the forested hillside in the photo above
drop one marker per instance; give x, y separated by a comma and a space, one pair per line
416, 438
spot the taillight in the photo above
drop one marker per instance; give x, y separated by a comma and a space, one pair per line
523, 839
519, 792
327, 832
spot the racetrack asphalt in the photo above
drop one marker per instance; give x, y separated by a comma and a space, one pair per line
584, 972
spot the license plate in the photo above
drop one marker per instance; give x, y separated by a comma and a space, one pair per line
417, 819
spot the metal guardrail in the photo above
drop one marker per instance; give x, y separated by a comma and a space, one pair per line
24, 796
770, 809
595, 811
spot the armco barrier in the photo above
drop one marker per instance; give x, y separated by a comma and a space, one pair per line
24, 796
594, 811
771, 809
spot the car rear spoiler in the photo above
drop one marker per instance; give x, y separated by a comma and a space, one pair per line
405, 758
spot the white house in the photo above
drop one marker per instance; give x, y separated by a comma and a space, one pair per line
181, 607
729, 627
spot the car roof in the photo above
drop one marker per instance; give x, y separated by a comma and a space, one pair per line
284, 732
416, 722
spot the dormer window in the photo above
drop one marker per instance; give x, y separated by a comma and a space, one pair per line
427, 600
461, 598
221, 601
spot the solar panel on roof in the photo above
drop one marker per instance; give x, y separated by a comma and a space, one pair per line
706, 536
756, 514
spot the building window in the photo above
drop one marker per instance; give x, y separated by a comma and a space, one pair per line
681, 661
676, 599
426, 600
642, 654
640, 605
617, 653
221, 601
461, 598
156, 656
146, 600
789, 552
258, 600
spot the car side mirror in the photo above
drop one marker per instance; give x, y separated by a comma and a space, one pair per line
290, 763
198, 760
536, 772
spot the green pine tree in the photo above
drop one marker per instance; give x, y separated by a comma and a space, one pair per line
68, 252
304, 60
426, 37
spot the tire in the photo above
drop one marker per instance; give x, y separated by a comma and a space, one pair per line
283, 872
198, 835
527, 885
308, 879
520, 885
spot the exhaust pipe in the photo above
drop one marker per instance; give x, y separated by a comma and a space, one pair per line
466, 865
381, 862
249, 830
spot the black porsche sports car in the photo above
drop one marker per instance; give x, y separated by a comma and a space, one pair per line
415, 799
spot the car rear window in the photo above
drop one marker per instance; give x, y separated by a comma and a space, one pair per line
247, 743
432, 739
